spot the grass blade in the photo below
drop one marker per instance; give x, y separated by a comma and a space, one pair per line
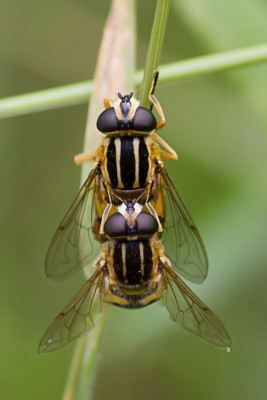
154, 48
79, 92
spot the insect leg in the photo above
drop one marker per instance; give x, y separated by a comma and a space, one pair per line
99, 262
84, 157
105, 213
151, 208
154, 82
171, 153
163, 154
155, 102
104, 218
155, 215
107, 103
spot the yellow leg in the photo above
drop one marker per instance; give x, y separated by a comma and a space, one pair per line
163, 154
84, 157
155, 215
105, 213
151, 208
171, 153
107, 103
104, 218
160, 123
99, 262
155, 102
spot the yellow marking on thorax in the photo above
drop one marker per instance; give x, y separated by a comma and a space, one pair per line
141, 249
154, 149
104, 159
107, 253
136, 157
157, 252
100, 151
150, 171
123, 253
118, 159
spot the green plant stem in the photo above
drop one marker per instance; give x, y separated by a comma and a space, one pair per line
47, 99
154, 48
87, 373
82, 371
75, 369
79, 92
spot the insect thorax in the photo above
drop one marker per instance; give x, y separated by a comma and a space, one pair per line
128, 161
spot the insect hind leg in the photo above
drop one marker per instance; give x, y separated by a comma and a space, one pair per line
155, 102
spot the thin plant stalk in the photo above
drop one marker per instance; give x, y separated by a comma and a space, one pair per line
77, 93
154, 48
75, 370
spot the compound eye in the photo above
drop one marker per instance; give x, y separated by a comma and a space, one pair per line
146, 224
144, 120
107, 121
115, 226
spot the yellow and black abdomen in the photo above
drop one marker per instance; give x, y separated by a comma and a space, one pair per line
127, 161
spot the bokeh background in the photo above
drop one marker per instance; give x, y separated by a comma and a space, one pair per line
218, 126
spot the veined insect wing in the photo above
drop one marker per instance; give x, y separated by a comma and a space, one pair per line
77, 317
188, 310
65, 254
180, 237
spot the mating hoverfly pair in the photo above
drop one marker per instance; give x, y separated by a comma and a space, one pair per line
129, 212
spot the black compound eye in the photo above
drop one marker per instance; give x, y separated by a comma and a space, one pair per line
146, 224
144, 120
107, 121
115, 226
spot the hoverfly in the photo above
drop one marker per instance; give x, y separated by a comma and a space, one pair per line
129, 212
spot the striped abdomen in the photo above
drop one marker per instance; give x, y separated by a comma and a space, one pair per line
127, 163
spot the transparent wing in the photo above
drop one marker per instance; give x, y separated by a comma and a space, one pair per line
65, 254
76, 318
188, 310
181, 239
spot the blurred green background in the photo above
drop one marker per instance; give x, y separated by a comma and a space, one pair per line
218, 126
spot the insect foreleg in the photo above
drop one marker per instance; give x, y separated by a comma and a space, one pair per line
85, 157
